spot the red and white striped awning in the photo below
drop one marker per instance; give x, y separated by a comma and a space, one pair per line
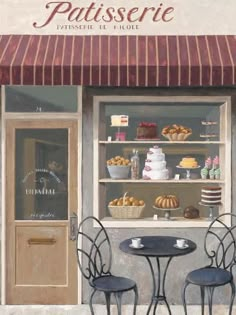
118, 60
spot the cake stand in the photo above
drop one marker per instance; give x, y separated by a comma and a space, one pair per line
209, 134
210, 209
118, 131
167, 211
208, 137
188, 170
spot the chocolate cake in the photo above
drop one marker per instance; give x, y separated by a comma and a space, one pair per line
211, 195
146, 130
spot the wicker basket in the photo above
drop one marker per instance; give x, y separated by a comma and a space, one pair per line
126, 212
176, 136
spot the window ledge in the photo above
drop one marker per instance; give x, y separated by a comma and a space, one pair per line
108, 222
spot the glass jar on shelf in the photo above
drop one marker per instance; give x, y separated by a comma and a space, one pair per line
135, 165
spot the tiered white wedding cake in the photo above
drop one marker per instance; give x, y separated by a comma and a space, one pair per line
155, 165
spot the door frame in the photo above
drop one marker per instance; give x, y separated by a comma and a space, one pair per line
39, 116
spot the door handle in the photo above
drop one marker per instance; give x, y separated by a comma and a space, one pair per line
73, 226
41, 241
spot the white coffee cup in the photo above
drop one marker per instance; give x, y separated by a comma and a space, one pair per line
181, 242
136, 242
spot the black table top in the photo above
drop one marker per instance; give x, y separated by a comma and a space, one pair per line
158, 246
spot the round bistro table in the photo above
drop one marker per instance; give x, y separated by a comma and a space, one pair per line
158, 247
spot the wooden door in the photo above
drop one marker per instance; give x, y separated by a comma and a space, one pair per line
41, 195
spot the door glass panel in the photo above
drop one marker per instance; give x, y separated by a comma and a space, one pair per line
41, 99
41, 174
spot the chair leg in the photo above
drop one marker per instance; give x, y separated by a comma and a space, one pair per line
118, 296
168, 308
155, 307
232, 296
210, 291
202, 288
108, 302
91, 302
183, 296
135, 299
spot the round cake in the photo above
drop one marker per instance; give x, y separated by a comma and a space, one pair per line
119, 120
188, 162
211, 195
167, 202
146, 130
155, 165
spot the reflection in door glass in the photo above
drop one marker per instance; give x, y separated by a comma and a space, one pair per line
41, 174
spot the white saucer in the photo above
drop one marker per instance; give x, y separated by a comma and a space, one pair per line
182, 247
141, 246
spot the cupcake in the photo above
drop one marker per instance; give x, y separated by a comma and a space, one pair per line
216, 165
217, 173
212, 173
204, 172
208, 162
216, 161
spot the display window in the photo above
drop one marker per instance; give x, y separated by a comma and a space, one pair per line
161, 160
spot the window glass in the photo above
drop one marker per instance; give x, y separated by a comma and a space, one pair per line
41, 99
202, 123
41, 174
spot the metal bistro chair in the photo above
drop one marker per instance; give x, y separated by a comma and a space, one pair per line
221, 249
95, 266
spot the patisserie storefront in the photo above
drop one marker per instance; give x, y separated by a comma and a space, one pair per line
137, 130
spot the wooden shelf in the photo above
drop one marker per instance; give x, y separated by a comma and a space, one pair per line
164, 181
176, 222
161, 142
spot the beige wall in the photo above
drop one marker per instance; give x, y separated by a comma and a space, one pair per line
184, 20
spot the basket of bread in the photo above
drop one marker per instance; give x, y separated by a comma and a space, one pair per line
118, 167
126, 207
176, 132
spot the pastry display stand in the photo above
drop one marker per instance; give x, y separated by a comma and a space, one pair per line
118, 132
167, 214
188, 170
146, 139
210, 209
209, 135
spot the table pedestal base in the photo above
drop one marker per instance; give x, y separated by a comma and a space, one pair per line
158, 293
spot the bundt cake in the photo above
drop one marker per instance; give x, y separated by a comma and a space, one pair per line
167, 202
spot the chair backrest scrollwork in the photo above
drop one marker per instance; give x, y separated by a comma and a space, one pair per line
93, 250
220, 241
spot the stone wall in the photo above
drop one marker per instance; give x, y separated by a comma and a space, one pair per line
133, 266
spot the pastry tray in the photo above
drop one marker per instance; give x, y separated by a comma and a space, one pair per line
166, 209
209, 123
146, 139
188, 168
210, 205
208, 135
